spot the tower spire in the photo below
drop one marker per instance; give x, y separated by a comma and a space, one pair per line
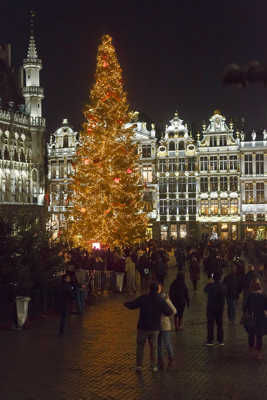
32, 52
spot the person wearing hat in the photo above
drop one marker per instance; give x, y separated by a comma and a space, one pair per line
151, 306
215, 307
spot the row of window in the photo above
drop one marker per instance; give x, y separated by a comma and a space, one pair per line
212, 163
13, 155
207, 207
60, 169
254, 196
207, 184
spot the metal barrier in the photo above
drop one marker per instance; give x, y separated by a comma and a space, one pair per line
100, 281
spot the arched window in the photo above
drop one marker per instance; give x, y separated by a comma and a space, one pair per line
6, 154
65, 141
16, 157
22, 156
181, 146
171, 146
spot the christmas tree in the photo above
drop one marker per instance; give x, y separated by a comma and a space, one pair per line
107, 187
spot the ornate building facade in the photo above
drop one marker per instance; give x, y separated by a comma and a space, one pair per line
214, 185
61, 152
22, 142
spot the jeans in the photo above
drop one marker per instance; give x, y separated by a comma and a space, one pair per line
80, 299
215, 317
231, 304
252, 338
119, 280
164, 340
142, 337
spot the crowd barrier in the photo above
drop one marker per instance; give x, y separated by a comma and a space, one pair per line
101, 280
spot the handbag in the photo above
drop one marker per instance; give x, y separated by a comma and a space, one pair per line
249, 322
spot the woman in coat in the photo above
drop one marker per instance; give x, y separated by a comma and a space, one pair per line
256, 306
179, 297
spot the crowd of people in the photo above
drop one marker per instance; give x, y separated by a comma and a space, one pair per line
143, 270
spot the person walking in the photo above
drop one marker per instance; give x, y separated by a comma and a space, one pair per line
231, 284
194, 270
255, 306
64, 302
82, 279
130, 273
215, 306
179, 297
164, 339
118, 265
151, 307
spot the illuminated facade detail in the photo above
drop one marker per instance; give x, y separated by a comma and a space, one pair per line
61, 150
215, 185
254, 187
22, 146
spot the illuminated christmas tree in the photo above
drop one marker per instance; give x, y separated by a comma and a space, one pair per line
107, 187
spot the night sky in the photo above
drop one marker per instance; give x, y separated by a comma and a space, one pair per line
173, 54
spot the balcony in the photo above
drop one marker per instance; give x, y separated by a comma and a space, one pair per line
33, 91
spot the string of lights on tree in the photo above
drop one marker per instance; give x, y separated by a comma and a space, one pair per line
107, 188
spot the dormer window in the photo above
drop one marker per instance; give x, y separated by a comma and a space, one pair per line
146, 151
65, 141
171, 146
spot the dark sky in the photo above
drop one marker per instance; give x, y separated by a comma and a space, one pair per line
172, 53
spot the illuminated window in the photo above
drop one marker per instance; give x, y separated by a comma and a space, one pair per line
181, 164
213, 183
204, 207
146, 151
224, 206
233, 162
213, 163
248, 192
214, 206
233, 183
234, 206
260, 217
61, 168
248, 164
163, 207
260, 164
162, 166
223, 183
172, 164
223, 163
173, 232
172, 185
204, 184
53, 169
163, 235
203, 163
183, 231
249, 217
191, 164
172, 207
147, 174
260, 192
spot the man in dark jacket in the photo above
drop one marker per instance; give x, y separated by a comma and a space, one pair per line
151, 307
215, 306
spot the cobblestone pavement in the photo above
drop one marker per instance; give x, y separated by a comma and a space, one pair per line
96, 359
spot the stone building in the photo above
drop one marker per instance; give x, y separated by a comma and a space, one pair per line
22, 142
61, 151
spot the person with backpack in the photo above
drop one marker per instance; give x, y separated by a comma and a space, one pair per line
215, 307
